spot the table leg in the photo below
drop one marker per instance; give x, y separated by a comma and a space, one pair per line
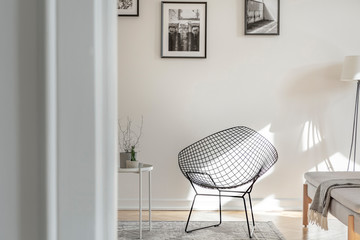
150, 200
140, 203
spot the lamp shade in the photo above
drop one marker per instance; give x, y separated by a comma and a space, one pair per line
351, 69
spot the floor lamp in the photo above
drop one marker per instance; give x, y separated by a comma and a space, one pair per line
351, 72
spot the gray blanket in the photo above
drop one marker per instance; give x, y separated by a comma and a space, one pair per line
321, 201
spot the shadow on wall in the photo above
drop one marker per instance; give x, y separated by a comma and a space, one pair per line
309, 130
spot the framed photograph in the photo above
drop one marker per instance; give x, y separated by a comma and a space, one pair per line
183, 29
262, 17
128, 8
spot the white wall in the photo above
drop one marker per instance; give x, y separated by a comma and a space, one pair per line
285, 86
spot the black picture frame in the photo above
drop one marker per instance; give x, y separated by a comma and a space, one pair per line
183, 29
262, 17
128, 8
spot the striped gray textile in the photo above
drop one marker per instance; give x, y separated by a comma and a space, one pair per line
320, 204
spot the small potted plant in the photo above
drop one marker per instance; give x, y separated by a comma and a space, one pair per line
128, 143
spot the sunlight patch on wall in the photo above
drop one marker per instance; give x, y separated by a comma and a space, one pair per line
310, 136
267, 133
268, 203
336, 162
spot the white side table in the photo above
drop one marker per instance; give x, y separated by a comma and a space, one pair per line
142, 168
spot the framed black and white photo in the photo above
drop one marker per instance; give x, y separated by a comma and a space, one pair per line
262, 17
128, 8
183, 29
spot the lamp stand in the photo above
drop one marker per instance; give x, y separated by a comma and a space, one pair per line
354, 130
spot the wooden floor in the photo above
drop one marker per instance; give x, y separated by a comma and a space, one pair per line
288, 222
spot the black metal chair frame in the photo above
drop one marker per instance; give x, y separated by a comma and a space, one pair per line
242, 195
205, 180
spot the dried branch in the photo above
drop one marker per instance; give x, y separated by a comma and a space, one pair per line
128, 138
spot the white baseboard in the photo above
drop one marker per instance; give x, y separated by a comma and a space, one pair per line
259, 204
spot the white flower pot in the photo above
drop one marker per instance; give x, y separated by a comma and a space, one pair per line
132, 164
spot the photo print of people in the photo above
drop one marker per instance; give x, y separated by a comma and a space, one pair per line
184, 29
184, 26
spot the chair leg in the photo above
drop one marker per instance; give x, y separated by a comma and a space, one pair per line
191, 209
306, 201
247, 219
219, 209
192, 205
252, 213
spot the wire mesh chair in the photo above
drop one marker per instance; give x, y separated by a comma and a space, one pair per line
227, 159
